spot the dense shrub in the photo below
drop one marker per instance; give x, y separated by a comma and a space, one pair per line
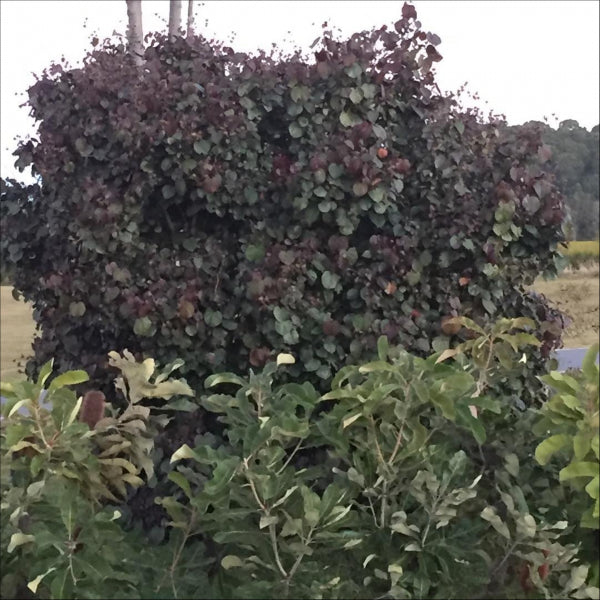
220, 207
64, 476
426, 488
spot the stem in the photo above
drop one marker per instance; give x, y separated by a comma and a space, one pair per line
506, 557
373, 511
171, 570
379, 453
287, 462
267, 513
398, 444
297, 562
70, 531
383, 503
255, 494
273, 536
39, 427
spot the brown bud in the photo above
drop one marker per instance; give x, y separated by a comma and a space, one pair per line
259, 356
92, 408
448, 327
331, 327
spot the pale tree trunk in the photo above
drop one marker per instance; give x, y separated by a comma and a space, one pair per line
135, 33
174, 18
190, 18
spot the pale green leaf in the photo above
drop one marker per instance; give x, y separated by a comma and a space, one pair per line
18, 539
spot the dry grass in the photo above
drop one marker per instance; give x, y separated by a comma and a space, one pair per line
591, 247
576, 293
16, 334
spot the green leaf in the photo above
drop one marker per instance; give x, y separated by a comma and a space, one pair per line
383, 347
489, 306
349, 420
588, 366
18, 539
143, 327
168, 191
582, 443
360, 189
592, 488
231, 561
77, 309
181, 481
377, 194
202, 147
489, 514
356, 95
255, 253
550, 446
578, 469
219, 378
335, 170
330, 280
34, 583
182, 453
265, 521
45, 372
295, 130
213, 318
312, 506
68, 378
347, 119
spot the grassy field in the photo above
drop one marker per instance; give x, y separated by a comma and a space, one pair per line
16, 333
575, 293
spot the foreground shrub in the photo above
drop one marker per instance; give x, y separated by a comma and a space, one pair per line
425, 487
64, 475
572, 415
221, 207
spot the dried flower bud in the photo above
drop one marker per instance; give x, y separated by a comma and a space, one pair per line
92, 408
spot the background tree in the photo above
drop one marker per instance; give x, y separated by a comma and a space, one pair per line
576, 164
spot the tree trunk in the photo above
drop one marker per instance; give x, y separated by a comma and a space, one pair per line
190, 18
174, 18
135, 33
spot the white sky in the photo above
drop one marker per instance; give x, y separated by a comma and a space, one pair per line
526, 59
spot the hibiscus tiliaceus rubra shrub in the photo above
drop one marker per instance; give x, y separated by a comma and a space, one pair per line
221, 207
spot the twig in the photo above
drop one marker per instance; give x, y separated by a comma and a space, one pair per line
267, 513
273, 536
379, 453
398, 444
383, 503
253, 488
171, 570
287, 462
296, 564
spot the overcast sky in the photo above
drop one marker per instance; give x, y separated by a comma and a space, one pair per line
526, 59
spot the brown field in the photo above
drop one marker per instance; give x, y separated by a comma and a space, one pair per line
16, 333
575, 293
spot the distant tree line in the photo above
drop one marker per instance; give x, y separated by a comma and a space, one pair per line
576, 164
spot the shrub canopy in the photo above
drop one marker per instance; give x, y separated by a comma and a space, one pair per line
221, 207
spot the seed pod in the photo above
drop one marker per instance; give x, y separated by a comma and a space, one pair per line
92, 408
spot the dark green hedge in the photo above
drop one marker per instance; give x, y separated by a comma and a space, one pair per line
220, 207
